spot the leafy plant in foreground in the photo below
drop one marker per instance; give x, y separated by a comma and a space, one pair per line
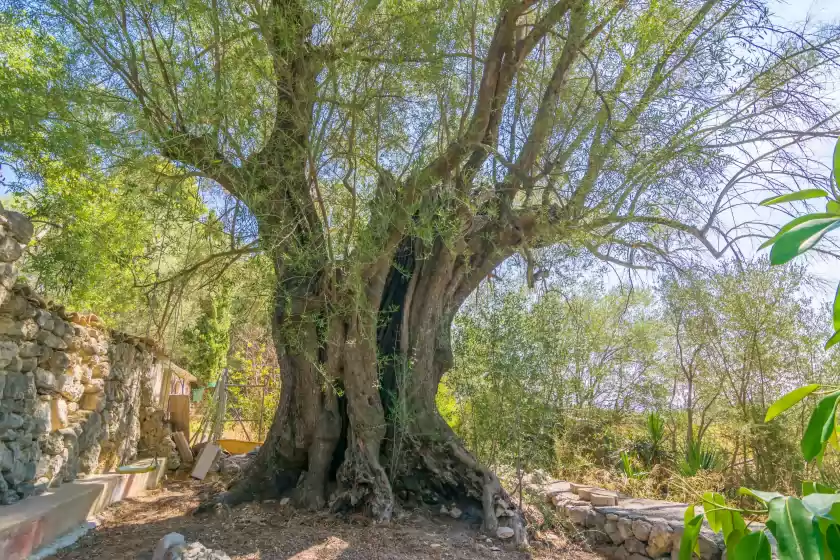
808, 527
802, 234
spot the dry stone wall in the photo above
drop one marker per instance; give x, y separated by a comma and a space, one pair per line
632, 528
72, 394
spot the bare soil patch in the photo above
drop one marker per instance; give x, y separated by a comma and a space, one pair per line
268, 531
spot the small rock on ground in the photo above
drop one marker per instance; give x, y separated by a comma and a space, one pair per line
504, 532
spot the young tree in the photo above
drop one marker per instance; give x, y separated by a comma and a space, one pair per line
394, 153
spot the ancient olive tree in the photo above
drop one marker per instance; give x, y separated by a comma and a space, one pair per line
393, 153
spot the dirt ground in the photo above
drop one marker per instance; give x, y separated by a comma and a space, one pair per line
268, 531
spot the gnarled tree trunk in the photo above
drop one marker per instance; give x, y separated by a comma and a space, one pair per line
357, 425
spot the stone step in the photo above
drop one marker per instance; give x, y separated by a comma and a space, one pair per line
38, 521
603, 499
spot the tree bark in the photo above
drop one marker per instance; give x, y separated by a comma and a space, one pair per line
357, 426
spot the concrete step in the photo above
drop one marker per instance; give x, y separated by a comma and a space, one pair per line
38, 521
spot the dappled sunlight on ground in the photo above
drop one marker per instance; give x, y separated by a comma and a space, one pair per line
269, 531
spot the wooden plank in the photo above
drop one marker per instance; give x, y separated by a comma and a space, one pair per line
179, 414
183, 447
205, 460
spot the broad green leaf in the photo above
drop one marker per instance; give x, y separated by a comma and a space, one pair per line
793, 223
710, 508
832, 540
820, 426
821, 504
810, 487
833, 340
797, 534
690, 535
761, 496
832, 441
789, 400
836, 165
832, 207
836, 310
753, 546
805, 194
801, 238
722, 519
737, 531
689, 514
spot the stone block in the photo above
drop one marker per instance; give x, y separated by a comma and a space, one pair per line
45, 381
93, 401
8, 352
574, 486
11, 421
14, 306
53, 443
20, 386
59, 361
641, 529
51, 341
8, 275
69, 387
26, 329
19, 226
634, 545
43, 417
98, 386
595, 520
660, 540
59, 414
44, 319
605, 550
611, 529
29, 349
15, 365
577, 514
711, 545
603, 500
625, 527
28, 364
10, 249
7, 458
102, 370
585, 492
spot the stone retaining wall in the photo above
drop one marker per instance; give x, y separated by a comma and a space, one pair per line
71, 392
634, 529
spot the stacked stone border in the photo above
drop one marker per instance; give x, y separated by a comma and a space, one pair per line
634, 529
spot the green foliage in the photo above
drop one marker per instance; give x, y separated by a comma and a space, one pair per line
206, 343
753, 546
791, 399
254, 388
627, 466
525, 369
699, 457
820, 427
651, 448
689, 542
723, 519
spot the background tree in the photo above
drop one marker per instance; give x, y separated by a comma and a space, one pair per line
391, 155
